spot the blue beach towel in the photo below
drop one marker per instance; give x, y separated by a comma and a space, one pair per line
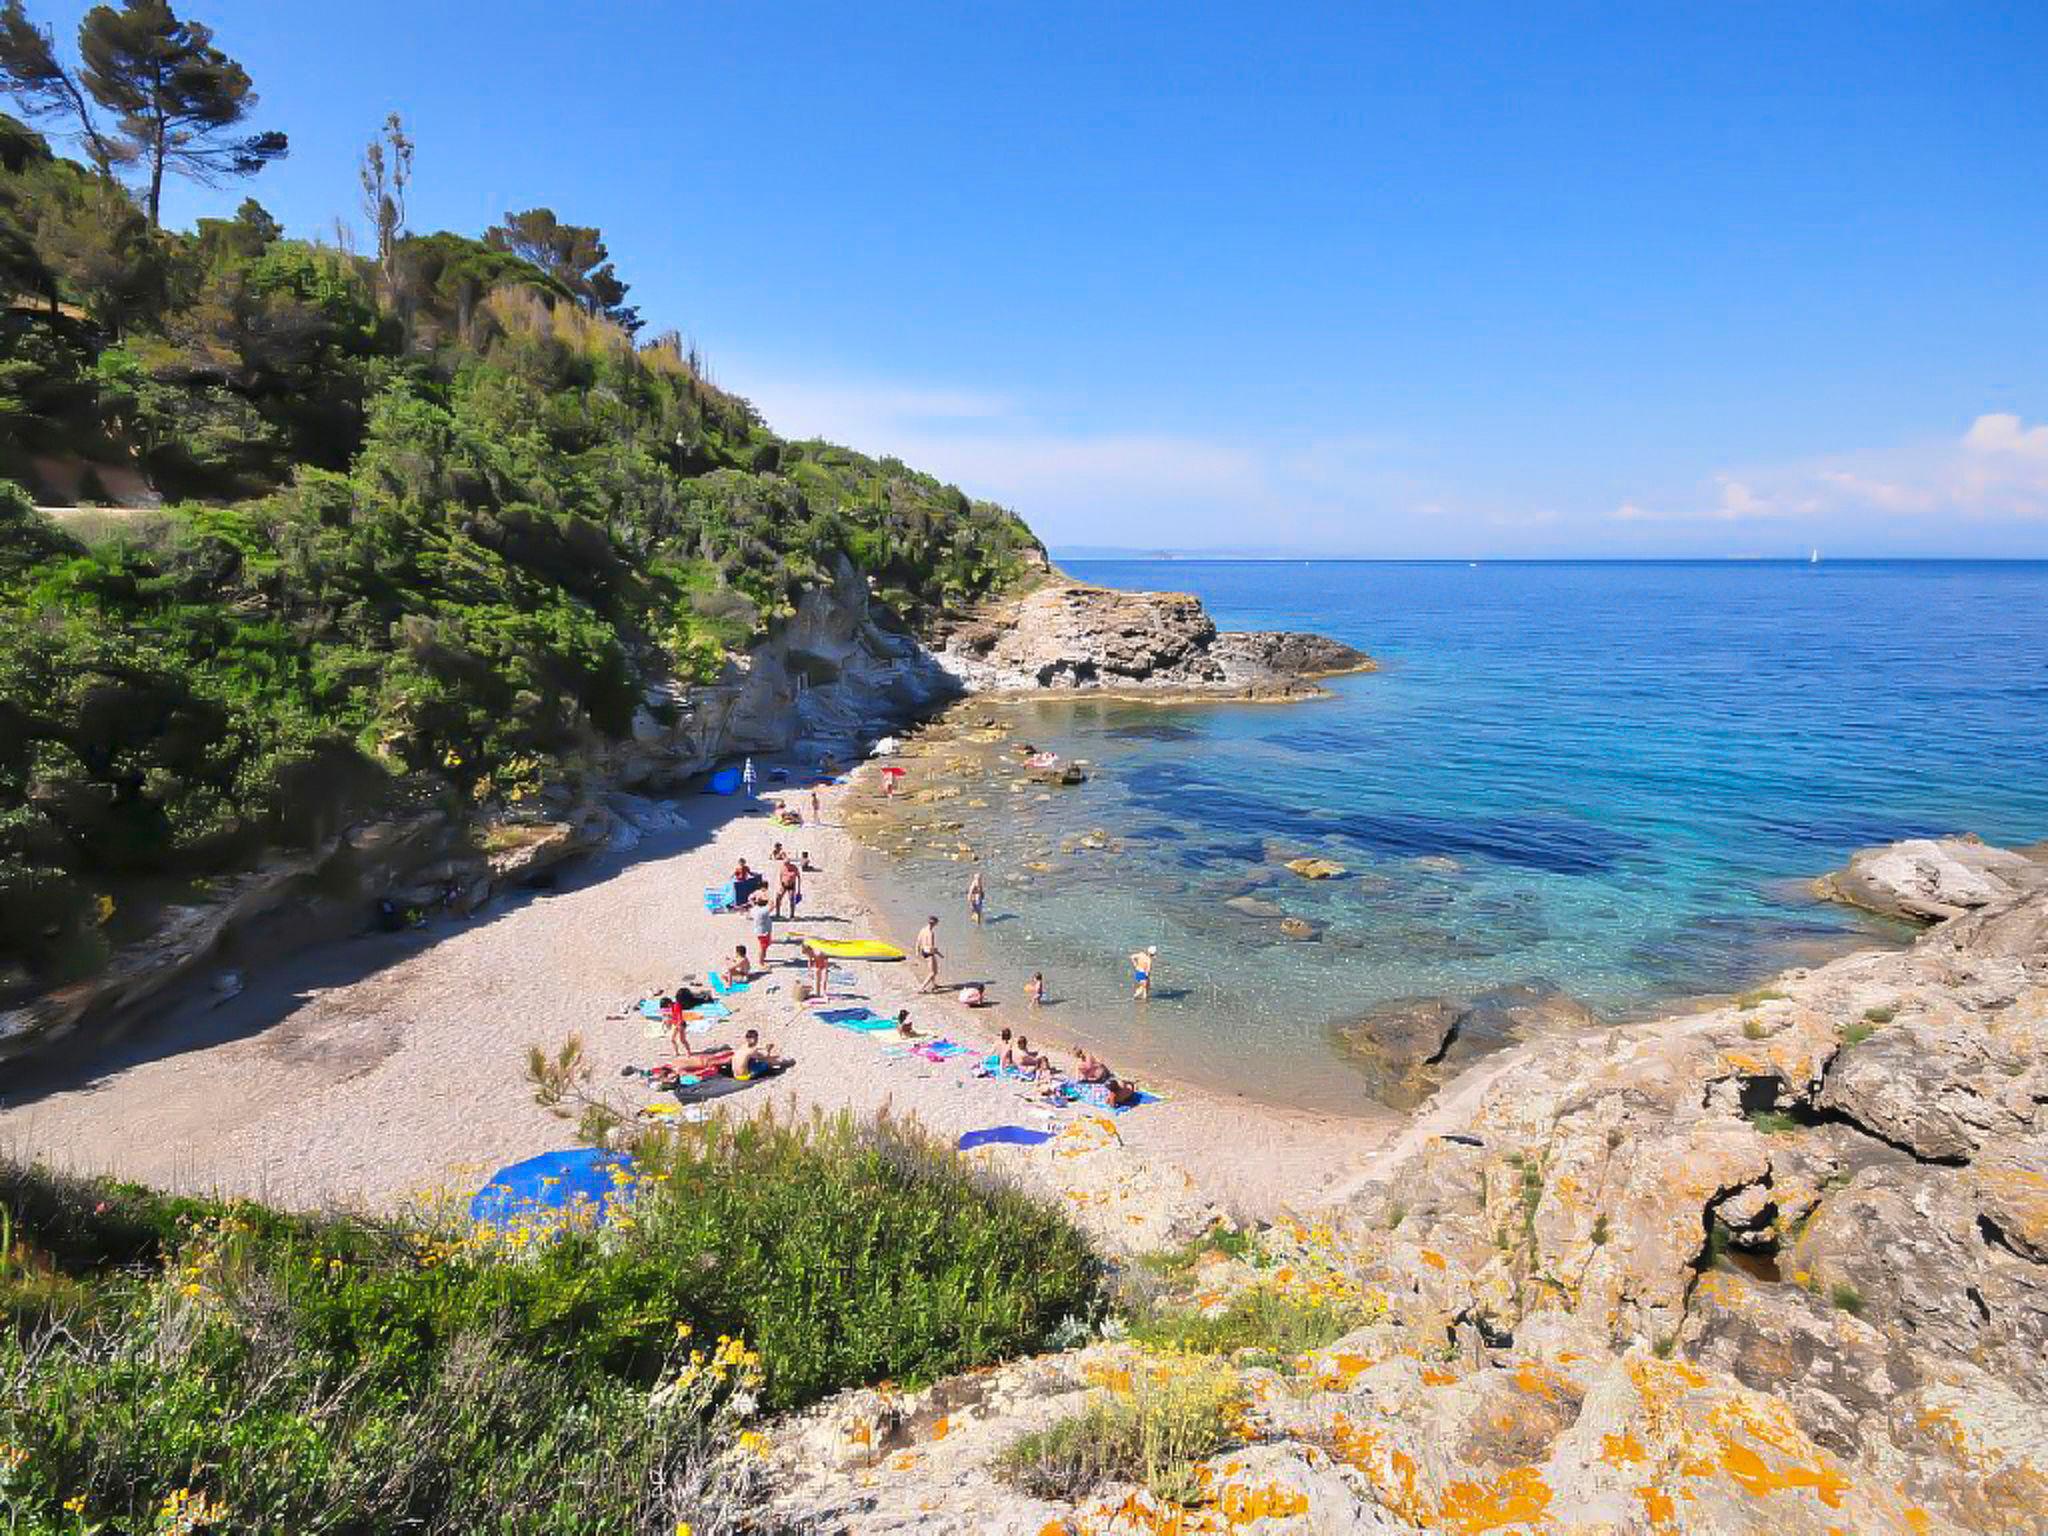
853, 1018
993, 1067
720, 898
1003, 1136
726, 988
711, 1011
1096, 1096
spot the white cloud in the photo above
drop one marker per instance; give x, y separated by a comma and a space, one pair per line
2001, 433
1997, 470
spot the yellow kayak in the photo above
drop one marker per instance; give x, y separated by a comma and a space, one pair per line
855, 949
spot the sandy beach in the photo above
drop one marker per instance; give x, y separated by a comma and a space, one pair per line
374, 1070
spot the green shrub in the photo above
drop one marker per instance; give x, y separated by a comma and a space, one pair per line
312, 1374
1881, 1015
1260, 1320
1848, 1299
1177, 1412
1760, 996
1856, 1034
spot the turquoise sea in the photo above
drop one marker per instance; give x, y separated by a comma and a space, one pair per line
1614, 777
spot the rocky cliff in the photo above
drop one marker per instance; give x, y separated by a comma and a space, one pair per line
1779, 1266
1066, 636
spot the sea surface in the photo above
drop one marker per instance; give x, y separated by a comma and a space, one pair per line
1615, 778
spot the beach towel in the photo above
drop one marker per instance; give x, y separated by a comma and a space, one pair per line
993, 1067
649, 1009
938, 1050
726, 988
709, 1011
720, 898
1074, 1091
853, 1018
1003, 1136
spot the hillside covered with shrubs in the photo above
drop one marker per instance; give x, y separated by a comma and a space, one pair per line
339, 527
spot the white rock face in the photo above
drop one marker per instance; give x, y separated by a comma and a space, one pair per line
1925, 880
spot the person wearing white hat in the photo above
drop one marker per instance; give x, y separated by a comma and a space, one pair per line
1142, 962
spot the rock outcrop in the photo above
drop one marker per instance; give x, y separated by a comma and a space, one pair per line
1929, 880
1066, 636
1777, 1266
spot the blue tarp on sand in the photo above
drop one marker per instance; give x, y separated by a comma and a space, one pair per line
1003, 1136
552, 1184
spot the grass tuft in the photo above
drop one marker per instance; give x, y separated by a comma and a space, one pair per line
1176, 1415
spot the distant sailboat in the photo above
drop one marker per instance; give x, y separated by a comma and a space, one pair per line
1814, 558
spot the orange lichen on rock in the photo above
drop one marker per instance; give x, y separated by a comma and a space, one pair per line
941, 1427
1431, 1377
1434, 1259
1624, 1447
1518, 1496
1658, 1508
1758, 1477
1390, 1470
1240, 1505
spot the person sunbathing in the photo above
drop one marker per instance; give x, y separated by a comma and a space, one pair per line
1028, 1061
1089, 1067
754, 1060
739, 968
697, 1065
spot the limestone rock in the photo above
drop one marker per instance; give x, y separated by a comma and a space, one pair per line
1930, 880
1067, 636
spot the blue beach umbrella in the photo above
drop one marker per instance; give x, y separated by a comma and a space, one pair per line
540, 1190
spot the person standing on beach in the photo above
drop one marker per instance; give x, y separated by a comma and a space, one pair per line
928, 951
1142, 962
1034, 989
789, 886
816, 814
764, 925
747, 778
977, 897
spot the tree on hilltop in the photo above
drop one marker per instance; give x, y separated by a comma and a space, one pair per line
173, 96
573, 254
386, 173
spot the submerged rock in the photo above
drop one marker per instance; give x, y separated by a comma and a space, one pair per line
1316, 869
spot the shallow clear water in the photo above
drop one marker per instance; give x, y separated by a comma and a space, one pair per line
1611, 776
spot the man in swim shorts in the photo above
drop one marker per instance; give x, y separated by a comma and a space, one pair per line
1141, 971
764, 926
928, 951
754, 1059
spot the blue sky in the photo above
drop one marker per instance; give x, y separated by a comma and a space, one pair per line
1447, 279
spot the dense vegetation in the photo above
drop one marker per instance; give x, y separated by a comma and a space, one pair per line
177, 1364
435, 520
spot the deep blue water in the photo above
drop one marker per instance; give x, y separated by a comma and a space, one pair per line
1611, 776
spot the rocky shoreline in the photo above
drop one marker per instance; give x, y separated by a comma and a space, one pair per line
1067, 637
1779, 1265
